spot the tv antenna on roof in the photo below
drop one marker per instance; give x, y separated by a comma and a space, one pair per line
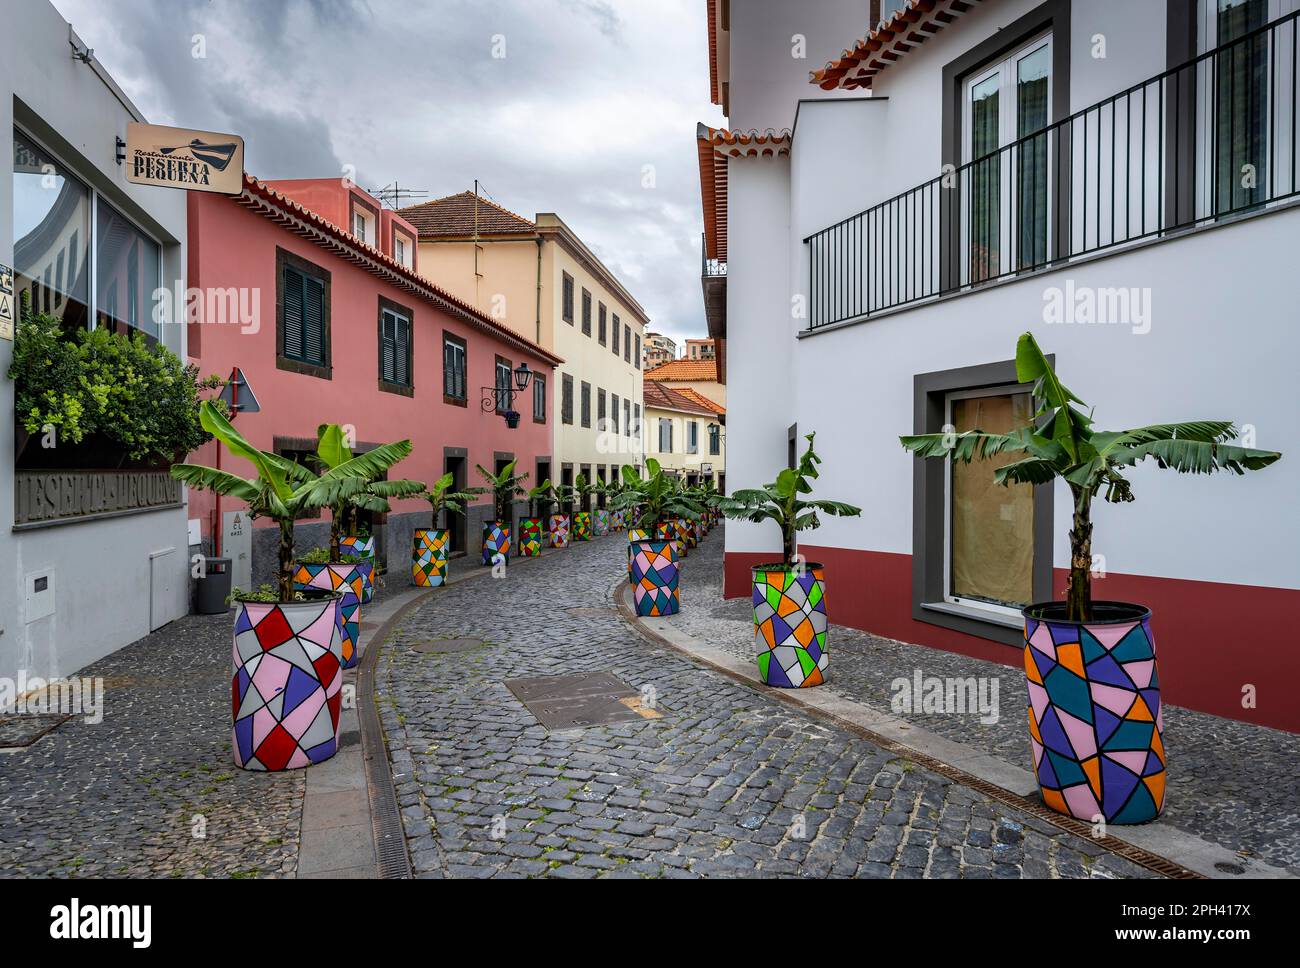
393, 195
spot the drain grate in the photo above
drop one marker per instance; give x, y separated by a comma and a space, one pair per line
447, 645
23, 729
578, 701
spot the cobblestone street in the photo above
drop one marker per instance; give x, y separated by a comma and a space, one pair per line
729, 782
1231, 783
151, 791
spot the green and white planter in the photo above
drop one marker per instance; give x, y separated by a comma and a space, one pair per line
582, 526
531, 537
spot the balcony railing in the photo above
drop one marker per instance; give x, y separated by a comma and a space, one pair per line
710, 267
1209, 140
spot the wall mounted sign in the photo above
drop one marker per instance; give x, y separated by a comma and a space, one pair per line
197, 161
8, 310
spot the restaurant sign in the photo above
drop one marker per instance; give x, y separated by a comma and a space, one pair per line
197, 161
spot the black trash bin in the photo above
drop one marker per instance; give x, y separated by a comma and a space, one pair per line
213, 587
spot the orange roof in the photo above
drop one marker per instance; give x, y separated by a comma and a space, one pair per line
266, 201
715, 146
692, 394
669, 398
714, 94
454, 216
675, 370
913, 25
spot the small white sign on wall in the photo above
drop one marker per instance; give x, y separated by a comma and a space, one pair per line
237, 545
196, 533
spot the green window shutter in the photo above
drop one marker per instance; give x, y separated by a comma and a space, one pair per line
293, 314
313, 320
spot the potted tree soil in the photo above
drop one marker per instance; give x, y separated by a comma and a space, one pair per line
1095, 719
429, 546
790, 620
288, 654
658, 501
504, 487
532, 529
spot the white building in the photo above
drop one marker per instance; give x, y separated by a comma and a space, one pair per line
879, 233
90, 558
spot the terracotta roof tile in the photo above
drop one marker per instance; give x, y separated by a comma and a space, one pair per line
454, 216
684, 370
691, 393
888, 41
258, 196
667, 398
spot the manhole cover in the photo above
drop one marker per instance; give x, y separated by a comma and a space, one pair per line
1226, 868
572, 702
25, 729
447, 645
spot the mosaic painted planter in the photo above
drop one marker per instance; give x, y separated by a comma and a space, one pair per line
429, 557
1095, 722
364, 548
496, 541
790, 625
633, 536
348, 580
581, 525
667, 531
286, 683
531, 533
559, 531
654, 578
681, 534
600, 522
616, 520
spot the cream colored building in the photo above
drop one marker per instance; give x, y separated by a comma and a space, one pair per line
677, 432
541, 280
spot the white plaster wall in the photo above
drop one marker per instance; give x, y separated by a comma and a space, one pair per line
102, 584
1223, 343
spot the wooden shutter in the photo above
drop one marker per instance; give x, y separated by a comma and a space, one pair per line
313, 320
293, 312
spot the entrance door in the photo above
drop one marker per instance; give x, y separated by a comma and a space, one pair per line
455, 520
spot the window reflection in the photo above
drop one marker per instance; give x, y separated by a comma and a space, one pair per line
126, 274
51, 235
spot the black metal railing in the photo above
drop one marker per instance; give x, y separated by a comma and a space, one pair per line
1213, 138
710, 267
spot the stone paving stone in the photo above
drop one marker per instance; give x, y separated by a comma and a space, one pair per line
728, 783
1230, 783
121, 798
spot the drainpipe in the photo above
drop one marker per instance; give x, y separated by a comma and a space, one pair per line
538, 340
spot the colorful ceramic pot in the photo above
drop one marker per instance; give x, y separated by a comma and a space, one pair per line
286, 683
429, 556
633, 536
682, 535
348, 580
618, 520
559, 531
496, 542
790, 624
654, 578
667, 531
1095, 722
581, 525
600, 522
531, 533
364, 548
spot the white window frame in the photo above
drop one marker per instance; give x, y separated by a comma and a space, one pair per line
1006, 71
975, 603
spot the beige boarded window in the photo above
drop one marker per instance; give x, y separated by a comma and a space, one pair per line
990, 527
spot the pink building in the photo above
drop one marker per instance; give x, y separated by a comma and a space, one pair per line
333, 324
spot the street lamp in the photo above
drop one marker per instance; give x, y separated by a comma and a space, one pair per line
715, 434
502, 398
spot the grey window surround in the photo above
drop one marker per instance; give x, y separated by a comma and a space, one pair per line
928, 490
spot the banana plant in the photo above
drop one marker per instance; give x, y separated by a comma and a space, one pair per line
332, 451
442, 498
584, 489
282, 489
539, 499
564, 494
1063, 443
504, 486
655, 498
784, 502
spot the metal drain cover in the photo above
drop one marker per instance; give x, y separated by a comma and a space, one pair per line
17, 730
447, 645
573, 702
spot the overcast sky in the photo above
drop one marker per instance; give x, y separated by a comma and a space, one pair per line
587, 95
